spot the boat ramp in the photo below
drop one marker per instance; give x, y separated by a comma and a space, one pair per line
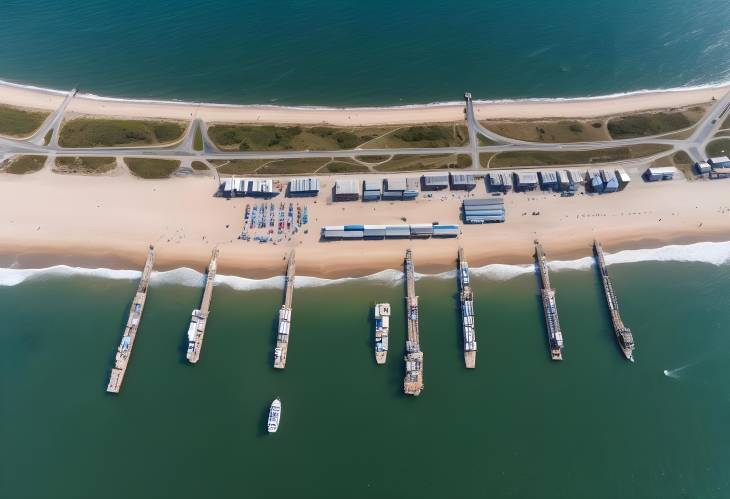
623, 334
547, 293
199, 319
124, 351
284, 329
466, 298
413, 381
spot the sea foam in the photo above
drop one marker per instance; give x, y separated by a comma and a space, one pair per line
706, 252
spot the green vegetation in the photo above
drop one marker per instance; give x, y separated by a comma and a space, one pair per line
550, 131
726, 123
47, 137
152, 168
89, 132
239, 166
724, 133
345, 167
290, 166
425, 162
198, 140
484, 158
372, 159
18, 122
720, 147
85, 165
447, 135
199, 166
281, 138
25, 164
647, 124
684, 163
484, 141
550, 158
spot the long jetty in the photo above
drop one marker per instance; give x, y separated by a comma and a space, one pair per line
466, 298
413, 381
282, 335
623, 334
199, 319
124, 351
547, 293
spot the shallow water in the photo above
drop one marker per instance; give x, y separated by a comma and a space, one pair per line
517, 426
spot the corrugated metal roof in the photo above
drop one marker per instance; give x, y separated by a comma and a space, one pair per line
305, 184
526, 177
372, 185
462, 179
662, 170
440, 180
346, 186
395, 184
485, 201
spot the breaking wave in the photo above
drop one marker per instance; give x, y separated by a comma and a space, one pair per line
707, 252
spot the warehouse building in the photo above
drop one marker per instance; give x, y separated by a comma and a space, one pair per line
719, 162
595, 182
501, 182
623, 179
434, 182
371, 190
702, 167
610, 182
548, 180
525, 181
346, 190
255, 187
479, 211
462, 181
356, 231
400, 188
564, 182
660, 173
306, 186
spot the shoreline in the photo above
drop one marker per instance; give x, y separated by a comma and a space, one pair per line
29, 96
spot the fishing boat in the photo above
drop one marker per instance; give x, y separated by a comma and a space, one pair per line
382, 326
274, 415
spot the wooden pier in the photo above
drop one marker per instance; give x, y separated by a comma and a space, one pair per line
199, 319
466, 299
623, 334
413, 381
547, 293
124, 351
284, 330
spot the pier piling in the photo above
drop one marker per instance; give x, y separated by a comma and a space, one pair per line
284, 329
466, 298
547, 293
413, 381
199, 319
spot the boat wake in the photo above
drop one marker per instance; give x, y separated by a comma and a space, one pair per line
708, 252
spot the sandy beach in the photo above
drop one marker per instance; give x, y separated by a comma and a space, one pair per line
108, 221
86, 104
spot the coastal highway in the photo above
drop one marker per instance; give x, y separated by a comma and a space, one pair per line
183, 149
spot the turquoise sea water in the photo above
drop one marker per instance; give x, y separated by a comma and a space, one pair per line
327, 52
518, 426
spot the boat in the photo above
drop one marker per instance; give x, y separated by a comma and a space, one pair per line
274, 415
382, 326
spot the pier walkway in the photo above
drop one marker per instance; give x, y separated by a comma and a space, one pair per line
623, 334
466, 298
196, 329
547, 293
413, 381
284, 329
124, 351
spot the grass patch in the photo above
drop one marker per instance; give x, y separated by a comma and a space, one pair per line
549, 131
47, 137
198, 139
85, 165
90, 132
199, 166
724, 133
647, 124
720, 147
17, 122
445, 135
424, 162
344, 167
726, 123
684, 163
152, 168
372, 159
484, 158
551, 158
25, 164
291, 138
238, 166
293, 166
484, 141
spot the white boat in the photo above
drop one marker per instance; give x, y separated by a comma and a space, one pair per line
274, 415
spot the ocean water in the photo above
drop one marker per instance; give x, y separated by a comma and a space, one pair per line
326, 52
517, 426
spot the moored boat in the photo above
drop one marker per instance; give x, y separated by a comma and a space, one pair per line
274, 415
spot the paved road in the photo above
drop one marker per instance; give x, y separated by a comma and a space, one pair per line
694, 145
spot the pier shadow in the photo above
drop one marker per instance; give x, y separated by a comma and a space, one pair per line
272, 343
263, 426
605, 313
